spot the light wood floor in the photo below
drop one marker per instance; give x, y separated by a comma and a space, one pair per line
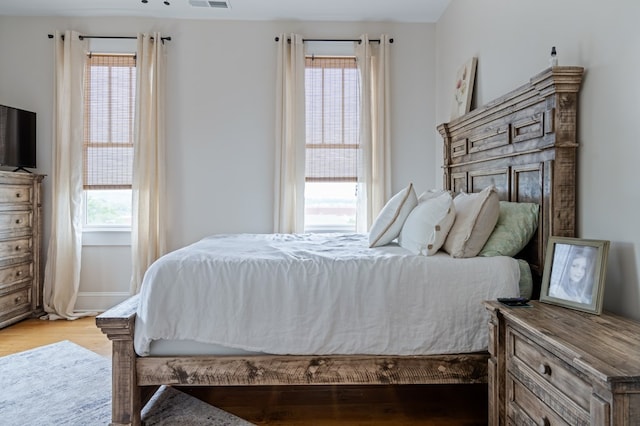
31, 333
290, 405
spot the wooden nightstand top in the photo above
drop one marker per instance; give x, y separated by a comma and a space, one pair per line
606, 346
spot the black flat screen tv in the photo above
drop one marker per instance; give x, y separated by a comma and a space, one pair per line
17, 138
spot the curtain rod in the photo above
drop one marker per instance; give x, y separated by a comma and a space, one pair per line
337, 40
82, 37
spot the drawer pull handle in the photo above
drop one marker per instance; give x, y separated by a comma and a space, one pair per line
544, 369
18, 195
19, 274
17, 300
18, 248
545, 421
18, 221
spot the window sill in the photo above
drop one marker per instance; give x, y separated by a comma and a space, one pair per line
328, 229
106, 237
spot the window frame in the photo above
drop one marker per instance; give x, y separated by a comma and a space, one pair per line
106, 234
342, 141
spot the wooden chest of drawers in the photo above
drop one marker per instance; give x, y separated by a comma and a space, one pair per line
20, 246
555, 366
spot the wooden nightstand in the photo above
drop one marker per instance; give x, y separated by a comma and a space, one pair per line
556, 366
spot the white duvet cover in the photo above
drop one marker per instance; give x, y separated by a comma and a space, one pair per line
320, 294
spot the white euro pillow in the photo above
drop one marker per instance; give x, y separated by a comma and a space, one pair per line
432, 193
389, 222
476, 216
428, 224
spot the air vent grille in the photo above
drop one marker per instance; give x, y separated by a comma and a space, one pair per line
208, 3
219, 4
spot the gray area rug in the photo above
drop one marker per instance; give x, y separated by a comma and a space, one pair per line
66, 384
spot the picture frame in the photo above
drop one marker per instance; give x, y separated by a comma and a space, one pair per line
463, 90
574, 273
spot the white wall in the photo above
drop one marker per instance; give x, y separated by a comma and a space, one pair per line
220, 120
512, 40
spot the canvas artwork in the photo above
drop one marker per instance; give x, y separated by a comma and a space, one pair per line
464, 88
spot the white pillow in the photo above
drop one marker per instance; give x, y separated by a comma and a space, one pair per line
476, 216
432, 193
389, 222
428, 224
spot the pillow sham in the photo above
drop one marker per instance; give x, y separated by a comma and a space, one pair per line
476, 216
516, 225
389, 222
432, 193
526, 279
427, 225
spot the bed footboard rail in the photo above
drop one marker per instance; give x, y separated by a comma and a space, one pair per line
127, 397
268, 370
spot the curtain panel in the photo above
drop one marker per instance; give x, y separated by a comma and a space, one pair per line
374, 178
149, 204
62, 270
290, 136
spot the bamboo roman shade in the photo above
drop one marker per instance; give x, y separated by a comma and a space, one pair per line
110, 89
332, 96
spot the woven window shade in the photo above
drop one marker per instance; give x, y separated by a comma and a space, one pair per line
110, 88
332, 96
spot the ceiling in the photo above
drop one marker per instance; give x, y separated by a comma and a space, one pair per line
307, 10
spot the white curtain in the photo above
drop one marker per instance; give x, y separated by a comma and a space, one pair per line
148, 227
374, 188
62, 271
290, 136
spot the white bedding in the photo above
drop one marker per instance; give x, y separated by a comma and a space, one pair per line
320, 294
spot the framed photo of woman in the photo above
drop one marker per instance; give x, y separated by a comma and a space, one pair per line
574, 273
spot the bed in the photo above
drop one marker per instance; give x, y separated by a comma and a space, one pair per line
522, 144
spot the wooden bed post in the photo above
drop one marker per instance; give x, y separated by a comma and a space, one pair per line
446, 136
560, 87
118, 324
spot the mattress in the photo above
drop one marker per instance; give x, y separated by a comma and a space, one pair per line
316, 294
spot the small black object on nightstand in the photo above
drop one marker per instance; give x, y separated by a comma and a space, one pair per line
514, 301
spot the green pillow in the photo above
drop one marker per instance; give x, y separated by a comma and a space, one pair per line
516, 225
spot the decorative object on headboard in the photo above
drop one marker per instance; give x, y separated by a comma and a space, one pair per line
464, 88
553, 57
525, 144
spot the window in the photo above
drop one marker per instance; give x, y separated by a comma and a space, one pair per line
110, 89
332, 103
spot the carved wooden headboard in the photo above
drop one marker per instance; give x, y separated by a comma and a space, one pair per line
525, 144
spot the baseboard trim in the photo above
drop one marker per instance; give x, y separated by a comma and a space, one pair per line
95, 301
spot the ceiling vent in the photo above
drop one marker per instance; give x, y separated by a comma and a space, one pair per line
207, 3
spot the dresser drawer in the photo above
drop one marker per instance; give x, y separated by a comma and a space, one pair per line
12, 274
17, 300
15, 194
16, 248
536, 362
524, 408
15, 221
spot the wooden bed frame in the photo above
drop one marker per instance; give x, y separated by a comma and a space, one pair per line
524, 143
